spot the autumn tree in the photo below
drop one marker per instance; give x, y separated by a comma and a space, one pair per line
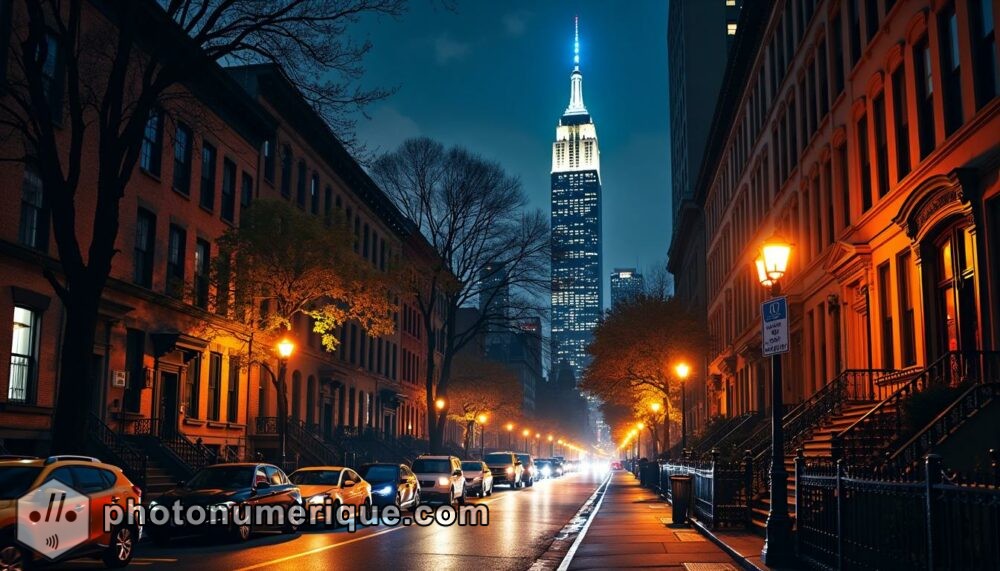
635, 349
281, 263
81, 84
473, 214
480, 387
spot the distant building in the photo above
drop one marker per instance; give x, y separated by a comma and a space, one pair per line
577, 278
494, 304
626, 283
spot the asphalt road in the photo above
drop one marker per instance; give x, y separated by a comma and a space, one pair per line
522, 525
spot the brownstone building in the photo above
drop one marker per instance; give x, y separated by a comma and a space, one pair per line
867, 133
165, 385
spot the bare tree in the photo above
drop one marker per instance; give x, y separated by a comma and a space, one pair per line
82, 83
473, 215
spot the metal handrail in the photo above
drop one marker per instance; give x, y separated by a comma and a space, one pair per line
720, 434
127, 457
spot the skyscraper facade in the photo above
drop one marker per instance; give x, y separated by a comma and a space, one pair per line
626, 283
576, 229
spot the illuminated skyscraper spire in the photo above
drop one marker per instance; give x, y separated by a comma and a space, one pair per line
576, 106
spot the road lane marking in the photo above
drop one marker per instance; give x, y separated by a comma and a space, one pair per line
600, 491
318, 550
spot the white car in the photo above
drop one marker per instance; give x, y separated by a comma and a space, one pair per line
440, 478
478, 477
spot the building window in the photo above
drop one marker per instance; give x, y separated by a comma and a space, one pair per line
925, 96
34, 229
906, 321
984, 52
865, 162
192, 387
854, 14
822, 76
246, 194
202, 258
300, 189
214, 385
269, 160
843, 178
327, 201
731, 28
175, 261
145, 240
208, 159
228, 210
314, 194
152, 143
901, 119
885, 307
871, 18
182, 159
52, 74
233, 396
286, 171
881, 144
951, 76
837, 49
23, 356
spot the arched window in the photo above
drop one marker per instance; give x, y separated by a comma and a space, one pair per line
314, 194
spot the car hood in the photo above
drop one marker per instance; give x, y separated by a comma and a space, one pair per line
310, 490
472, 473
202, 497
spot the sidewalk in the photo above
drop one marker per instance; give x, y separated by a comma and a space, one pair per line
632, 529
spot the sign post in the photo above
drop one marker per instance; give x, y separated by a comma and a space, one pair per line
775, 326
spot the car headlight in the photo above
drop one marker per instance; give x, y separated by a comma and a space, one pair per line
546, 471
384, 491
510, 469
442, 481
318, 498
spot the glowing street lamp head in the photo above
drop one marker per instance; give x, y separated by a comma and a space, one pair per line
775, 253
481, 419
510, 426
641, 425
550, 438
538, 435
439, 404
655, 407
560, 442
683, 370
285, 348
525, 432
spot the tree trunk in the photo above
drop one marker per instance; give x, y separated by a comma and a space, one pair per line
666, 424
75, 390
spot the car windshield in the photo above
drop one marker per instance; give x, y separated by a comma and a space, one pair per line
524, 458
498, 459
223, 477
15, 480
472, 466
315, 477
379, 473
422, 466
543, 462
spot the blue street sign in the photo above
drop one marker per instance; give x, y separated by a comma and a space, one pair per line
774, 313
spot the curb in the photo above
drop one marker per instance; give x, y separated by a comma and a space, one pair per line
738, 557
563, 546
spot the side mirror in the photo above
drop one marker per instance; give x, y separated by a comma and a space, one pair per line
456, 473
262, 485
349, 483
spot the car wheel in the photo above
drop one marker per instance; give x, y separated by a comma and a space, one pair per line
416, 501
531, 482
240, 532
119, 552
12, 557
333, 524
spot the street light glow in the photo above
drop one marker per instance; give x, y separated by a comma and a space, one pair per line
774, 254
510, 426
655, 407
683, 370
439, 404
481, 419
285, 348
525, 432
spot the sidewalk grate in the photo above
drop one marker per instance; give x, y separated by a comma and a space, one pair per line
689, 536
709, 567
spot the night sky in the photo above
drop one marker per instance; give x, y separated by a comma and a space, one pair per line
494, 77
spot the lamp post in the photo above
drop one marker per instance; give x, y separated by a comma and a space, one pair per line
285, 350
638, 439
552, 447
683, 370
510, 433
655, 407
481, 419
771, 267
525, 434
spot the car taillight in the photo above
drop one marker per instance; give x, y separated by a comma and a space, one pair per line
138, 491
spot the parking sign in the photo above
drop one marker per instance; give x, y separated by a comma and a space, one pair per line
775, 326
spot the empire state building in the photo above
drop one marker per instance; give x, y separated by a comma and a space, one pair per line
576, 229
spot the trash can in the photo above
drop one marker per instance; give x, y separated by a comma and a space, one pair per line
680, 489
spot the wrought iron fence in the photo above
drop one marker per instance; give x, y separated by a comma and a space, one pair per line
131, 460
851, 518
721, 492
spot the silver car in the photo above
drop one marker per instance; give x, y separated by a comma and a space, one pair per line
478, 477
440, 478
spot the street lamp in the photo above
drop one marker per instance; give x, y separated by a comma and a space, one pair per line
551, 447
481, 419
771, 267
439, 404
285, 350
510, 432
525, 434
683, 370
655, 407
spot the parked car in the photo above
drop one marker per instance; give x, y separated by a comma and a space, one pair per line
232, 485
616, 465
392, 484
546, 467
530, 471
507, 469
102, 483
478, 477
440, 477
337, 485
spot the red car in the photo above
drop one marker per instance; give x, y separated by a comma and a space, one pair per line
616, 465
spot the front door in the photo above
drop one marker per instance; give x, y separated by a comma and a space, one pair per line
955, 325
168, 402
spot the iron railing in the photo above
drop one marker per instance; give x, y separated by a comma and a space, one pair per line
868, 438
727, 433
310, 444
860, 519
132, 461
721, 497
